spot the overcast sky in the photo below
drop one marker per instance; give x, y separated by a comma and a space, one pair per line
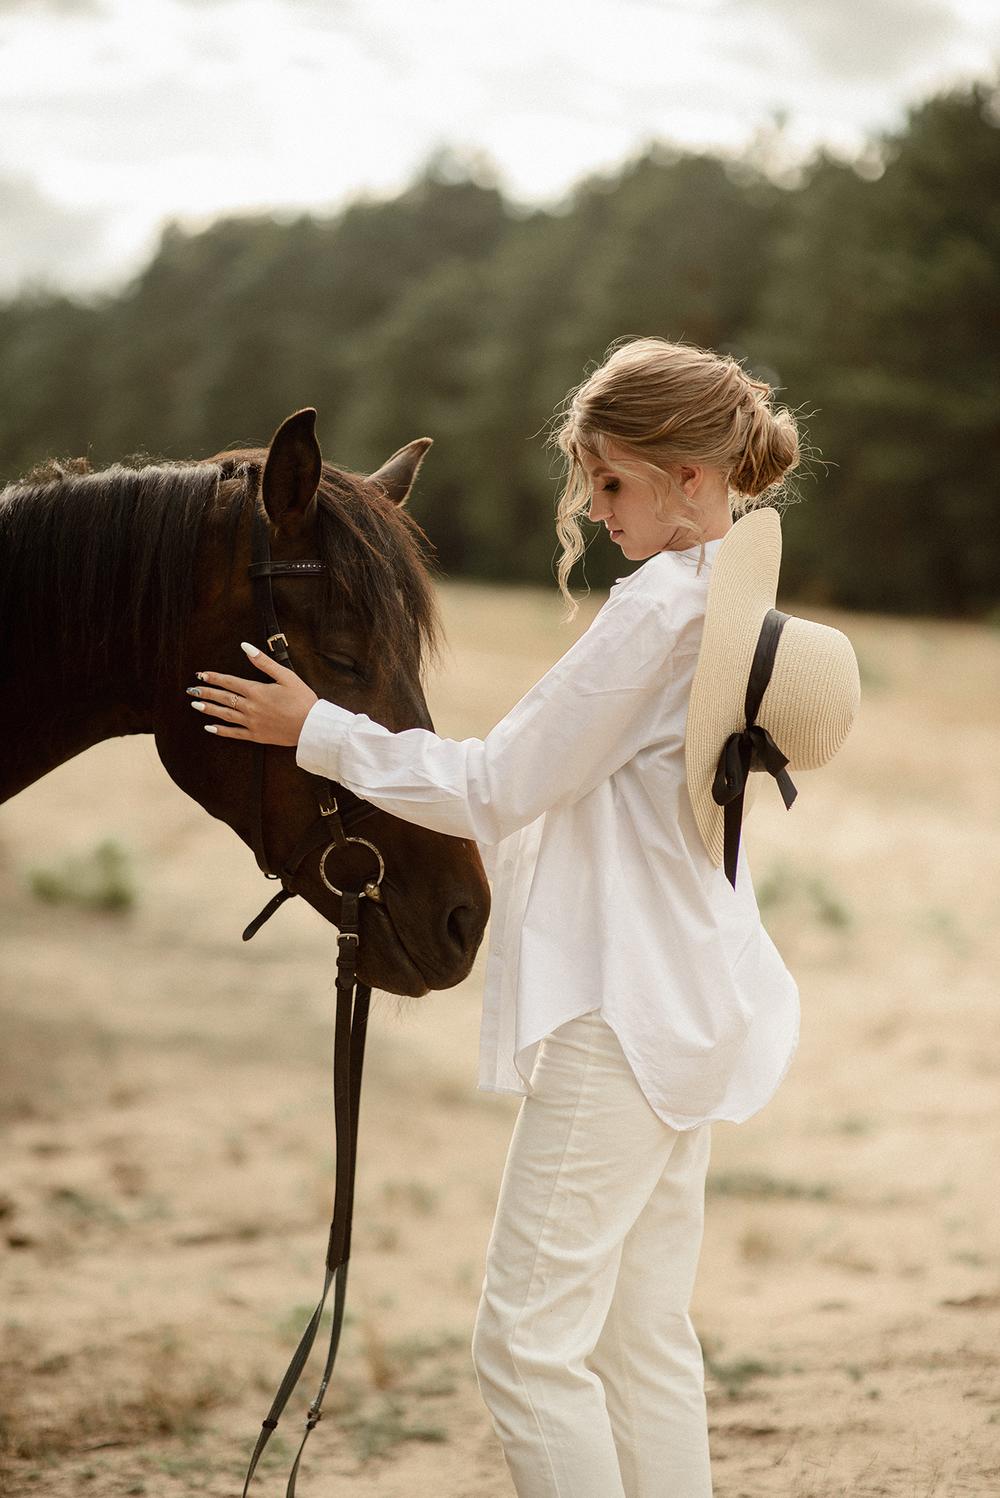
116, 115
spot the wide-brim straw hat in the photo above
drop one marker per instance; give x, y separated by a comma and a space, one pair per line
808, 673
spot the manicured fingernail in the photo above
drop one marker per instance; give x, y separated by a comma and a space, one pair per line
211, 728
201, 676
199, 707
250, 649
192, 691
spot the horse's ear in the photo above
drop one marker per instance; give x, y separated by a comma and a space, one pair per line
293, 468
397, 473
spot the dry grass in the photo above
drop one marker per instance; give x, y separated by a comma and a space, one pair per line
166, 1178
118, 1397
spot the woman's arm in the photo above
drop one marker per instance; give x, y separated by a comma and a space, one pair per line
587, 716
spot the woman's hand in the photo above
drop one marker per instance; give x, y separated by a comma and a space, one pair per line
265, 712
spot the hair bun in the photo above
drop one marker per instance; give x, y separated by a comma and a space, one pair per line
770, 444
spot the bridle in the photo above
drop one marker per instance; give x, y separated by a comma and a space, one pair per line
330, 826
339, 809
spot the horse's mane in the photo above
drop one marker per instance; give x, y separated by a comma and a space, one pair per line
92, 560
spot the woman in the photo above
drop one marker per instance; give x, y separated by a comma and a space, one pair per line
632, 994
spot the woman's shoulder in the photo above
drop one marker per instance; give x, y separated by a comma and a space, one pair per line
669, 579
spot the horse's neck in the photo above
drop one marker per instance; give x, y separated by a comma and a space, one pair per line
55, 700
40, 734
51, 712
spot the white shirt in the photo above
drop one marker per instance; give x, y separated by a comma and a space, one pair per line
604, 896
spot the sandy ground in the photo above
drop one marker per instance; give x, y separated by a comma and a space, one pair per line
166, 1175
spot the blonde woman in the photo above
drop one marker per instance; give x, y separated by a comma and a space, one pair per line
632, 996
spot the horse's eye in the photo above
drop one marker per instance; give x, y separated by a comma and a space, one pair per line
344, 663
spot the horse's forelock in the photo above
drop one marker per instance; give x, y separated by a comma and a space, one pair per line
380, 558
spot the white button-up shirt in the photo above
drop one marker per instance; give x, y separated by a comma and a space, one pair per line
604, 896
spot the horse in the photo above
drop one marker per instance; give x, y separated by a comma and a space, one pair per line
116, 586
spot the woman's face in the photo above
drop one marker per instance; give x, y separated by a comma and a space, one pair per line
624, 503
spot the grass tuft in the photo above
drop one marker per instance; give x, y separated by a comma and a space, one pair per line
785, 885
168, 1398
415, 1196
734, 1376
99, 880
376, 1431
760, 1186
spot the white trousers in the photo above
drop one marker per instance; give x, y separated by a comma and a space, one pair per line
583, 1347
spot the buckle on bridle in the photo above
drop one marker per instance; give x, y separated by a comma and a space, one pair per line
279, 636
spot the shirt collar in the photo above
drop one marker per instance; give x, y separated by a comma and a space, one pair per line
676, 558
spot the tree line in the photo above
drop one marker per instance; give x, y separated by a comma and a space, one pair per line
865, 291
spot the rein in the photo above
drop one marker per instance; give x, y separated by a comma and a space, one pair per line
339, 809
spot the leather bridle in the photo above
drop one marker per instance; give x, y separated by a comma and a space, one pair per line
339, 809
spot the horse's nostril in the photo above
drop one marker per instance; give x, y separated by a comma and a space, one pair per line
461, 926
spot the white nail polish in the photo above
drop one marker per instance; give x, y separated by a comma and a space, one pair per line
250, 649
199, 707
211, 728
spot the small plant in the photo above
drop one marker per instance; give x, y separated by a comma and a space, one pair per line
384, 1236
375, 1432
170, 1397
777, 886
84, 1207
943, 923
734, 1376
783, 885
761, 1186
415, 1196
828, 908
292, 1323
758, 1246
391, 1362
970, 1257
99, 880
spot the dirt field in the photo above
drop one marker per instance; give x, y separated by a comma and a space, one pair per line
166, 1175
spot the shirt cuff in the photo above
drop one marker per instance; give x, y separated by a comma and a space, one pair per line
321, 737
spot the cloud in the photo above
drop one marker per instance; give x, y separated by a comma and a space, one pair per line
42, 242
53, 7
869, 40
127, 112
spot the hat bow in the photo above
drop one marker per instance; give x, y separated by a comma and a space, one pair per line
752, 747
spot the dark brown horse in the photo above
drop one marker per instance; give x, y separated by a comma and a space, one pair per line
115, 587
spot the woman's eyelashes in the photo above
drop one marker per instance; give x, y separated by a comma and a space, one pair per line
612, 486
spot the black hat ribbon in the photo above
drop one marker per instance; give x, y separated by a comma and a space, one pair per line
752, 747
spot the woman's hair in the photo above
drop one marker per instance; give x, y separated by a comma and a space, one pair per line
667, 404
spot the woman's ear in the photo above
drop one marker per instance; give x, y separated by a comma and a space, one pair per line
690, 477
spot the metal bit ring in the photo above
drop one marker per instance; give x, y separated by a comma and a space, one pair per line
371, 888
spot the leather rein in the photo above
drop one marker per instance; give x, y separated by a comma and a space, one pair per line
339, 809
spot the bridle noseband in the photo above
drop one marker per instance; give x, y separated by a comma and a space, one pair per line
339, 809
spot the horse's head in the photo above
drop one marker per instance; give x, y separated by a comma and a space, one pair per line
358, 636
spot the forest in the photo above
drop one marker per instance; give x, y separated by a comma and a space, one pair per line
865, 291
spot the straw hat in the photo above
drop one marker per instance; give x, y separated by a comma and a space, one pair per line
770, 690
